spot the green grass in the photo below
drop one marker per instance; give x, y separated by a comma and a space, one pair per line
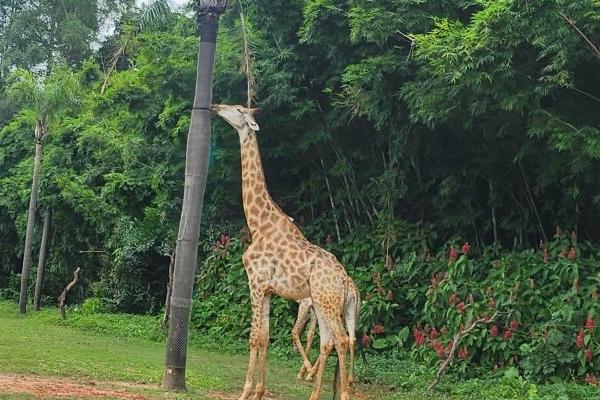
109, 349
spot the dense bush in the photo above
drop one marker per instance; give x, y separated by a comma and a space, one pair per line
544, 301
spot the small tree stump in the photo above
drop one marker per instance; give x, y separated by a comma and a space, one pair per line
63, 295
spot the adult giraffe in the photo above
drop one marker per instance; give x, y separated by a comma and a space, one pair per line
280, 261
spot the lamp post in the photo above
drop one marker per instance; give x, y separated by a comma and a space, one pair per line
196, 170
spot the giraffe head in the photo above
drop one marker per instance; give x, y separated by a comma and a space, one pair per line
239, 117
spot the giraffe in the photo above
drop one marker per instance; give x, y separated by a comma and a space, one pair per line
281, 261
306, 313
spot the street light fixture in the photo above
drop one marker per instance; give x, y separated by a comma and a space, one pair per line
210, 6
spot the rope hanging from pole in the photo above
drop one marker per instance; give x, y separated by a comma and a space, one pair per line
246, 67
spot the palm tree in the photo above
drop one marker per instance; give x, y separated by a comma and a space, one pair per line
196, 170
43, 99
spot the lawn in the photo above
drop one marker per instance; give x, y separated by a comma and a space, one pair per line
108, 356
42, 345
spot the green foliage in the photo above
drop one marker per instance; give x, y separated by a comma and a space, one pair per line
543, 299
407, 126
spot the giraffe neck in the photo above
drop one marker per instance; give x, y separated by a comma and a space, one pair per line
259, 207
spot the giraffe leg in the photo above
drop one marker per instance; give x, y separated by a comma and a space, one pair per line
301, 319
310, 336
351, 315
326, 347
262, 350
330, 316
340, 340
257, 301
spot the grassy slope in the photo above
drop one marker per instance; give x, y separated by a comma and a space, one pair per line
113, 348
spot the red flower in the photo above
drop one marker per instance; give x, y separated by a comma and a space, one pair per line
389, 262
433, 333
591, 379
463, 353
365, 341
579, 340
419, 337
590, 324
485, 318
453, 254
466, 248
588, 354
508, 334
460, 307
453, 299
514, 325
494, 331
390, 295
223, 241
378, 329
572, 254
439, 348
245, 234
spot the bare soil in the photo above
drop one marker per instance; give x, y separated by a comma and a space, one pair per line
43, 388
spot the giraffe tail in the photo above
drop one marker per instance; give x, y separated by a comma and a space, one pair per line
336, 380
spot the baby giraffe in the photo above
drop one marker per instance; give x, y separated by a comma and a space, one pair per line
306, 313
280, 261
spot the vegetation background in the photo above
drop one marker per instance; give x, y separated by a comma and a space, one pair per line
446, 151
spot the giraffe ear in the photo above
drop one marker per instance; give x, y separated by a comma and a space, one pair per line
251, 122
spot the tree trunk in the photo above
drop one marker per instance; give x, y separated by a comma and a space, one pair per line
42, 261
333, 210
196, 169
30, 225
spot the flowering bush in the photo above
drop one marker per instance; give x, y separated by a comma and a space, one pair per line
544, 301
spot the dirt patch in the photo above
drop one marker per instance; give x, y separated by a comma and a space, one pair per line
52, 388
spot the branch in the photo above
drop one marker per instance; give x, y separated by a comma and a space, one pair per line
63, 295
455, 342
571, 22
583, 92
560, 121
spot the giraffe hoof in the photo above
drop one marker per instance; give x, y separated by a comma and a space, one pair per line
244, 396
308, 378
